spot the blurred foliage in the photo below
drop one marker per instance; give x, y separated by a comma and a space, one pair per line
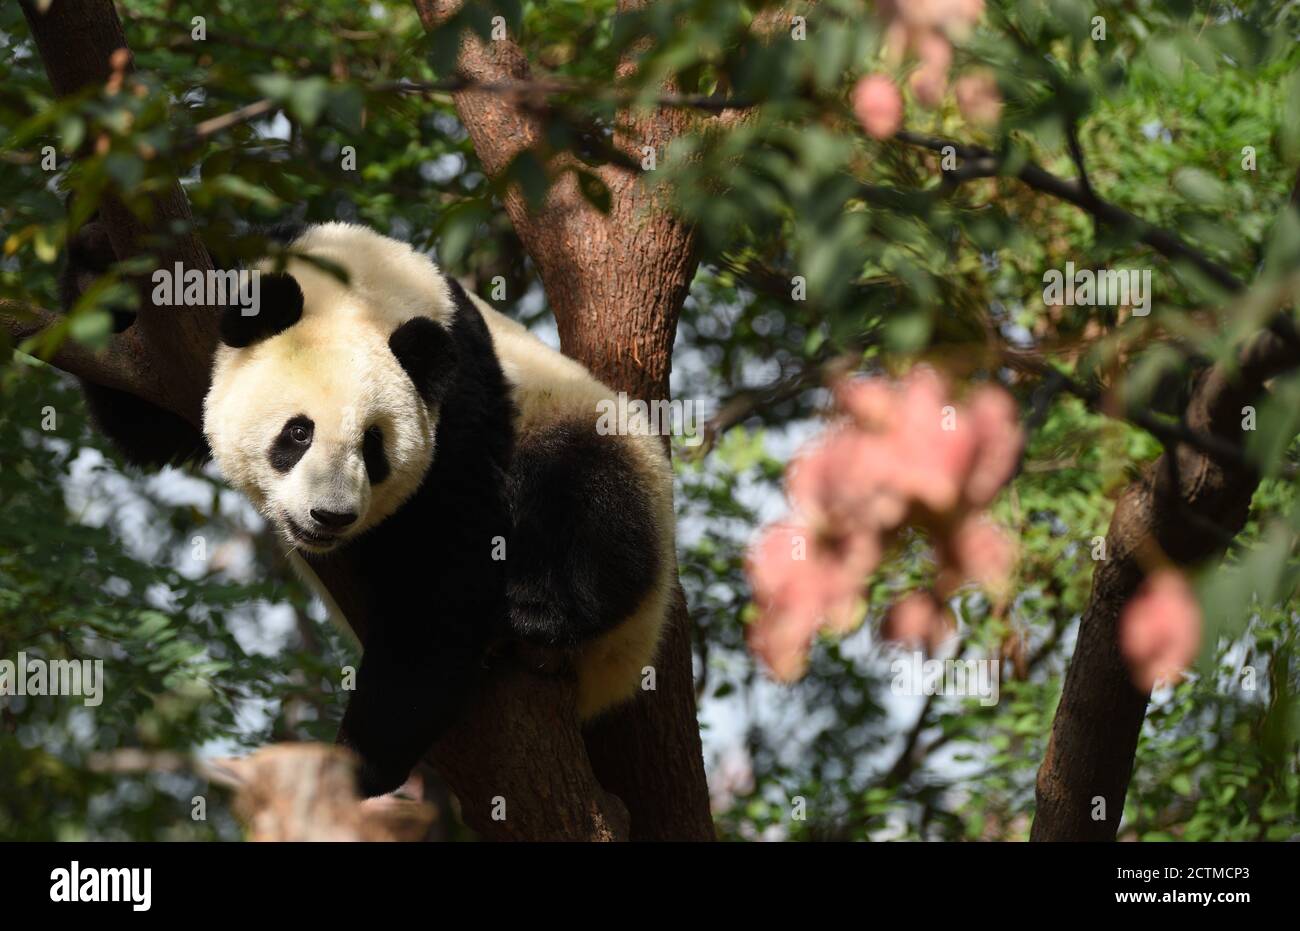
897, 266
95, 566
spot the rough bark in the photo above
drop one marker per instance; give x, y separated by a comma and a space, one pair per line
1182, 510
615, 283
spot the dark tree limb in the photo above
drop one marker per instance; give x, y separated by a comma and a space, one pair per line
171, 346
1095, 732
114, 367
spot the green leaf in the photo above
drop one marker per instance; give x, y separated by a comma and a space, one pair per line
91, 328
1200, 187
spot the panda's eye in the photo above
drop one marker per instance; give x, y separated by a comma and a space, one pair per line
372, 451
291, 443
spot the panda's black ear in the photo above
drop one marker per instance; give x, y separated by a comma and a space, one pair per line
279, 307
425, 350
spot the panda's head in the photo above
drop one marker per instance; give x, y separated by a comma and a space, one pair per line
323, 408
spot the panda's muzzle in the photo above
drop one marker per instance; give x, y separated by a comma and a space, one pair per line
311, 537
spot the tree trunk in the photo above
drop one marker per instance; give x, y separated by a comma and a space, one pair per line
1182, 510
169, 349
616, 284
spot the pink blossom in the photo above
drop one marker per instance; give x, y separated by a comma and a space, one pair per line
1000, 440
870, 401
932, 14
801, 579
935, 447
930, 80
782, 641
920, 451
844, 479
1160, 629
978, 98
927, 449
925, 27
905, 453
960, 16
917, 620
980, 552
878, 106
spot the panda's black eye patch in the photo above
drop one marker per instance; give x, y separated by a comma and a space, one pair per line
292, 443
372, 451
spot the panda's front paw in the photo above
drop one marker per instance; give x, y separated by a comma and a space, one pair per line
373, 779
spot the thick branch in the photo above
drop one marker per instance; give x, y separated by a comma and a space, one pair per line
1095, 732
77, 43
114, 367
518, 766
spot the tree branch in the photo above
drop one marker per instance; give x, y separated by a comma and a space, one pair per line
115, 367
1162, 516
78, 43
984, 163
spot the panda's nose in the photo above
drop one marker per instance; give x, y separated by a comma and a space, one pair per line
333, 519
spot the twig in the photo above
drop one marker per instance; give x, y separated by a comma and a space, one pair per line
243, 115
1169, 433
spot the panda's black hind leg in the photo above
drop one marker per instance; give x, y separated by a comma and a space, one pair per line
585, 547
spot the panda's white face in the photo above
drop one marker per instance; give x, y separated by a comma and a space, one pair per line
325, 433
310, 413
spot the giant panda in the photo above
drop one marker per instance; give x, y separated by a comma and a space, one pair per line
387, 419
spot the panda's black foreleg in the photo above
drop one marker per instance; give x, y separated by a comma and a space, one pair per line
409, 689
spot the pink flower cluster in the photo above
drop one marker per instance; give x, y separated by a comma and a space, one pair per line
1160, 629
901, 455
925, 28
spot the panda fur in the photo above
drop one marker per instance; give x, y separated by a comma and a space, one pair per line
438, 431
